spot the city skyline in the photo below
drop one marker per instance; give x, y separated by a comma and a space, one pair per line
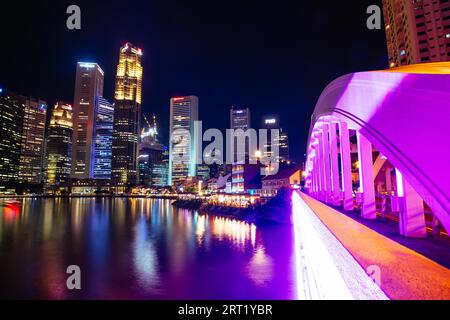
200, 70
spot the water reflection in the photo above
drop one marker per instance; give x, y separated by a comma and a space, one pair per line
140, 249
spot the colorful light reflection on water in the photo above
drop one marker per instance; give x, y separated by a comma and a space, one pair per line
140, 249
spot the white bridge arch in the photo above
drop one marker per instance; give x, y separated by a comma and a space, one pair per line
403, 113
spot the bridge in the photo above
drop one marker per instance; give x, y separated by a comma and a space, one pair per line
379, 146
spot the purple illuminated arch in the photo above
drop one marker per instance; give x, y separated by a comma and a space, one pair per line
405, 113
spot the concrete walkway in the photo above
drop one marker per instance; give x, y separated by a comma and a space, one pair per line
405, 274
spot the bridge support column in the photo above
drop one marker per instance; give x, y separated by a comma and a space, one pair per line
326, 163
412, 216
336, 200
368, 209
346, 167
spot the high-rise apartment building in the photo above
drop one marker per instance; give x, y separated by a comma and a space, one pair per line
33, 141
417, 31
59, 150
88, 87
127, 117
11, 115
183, 149
104, 121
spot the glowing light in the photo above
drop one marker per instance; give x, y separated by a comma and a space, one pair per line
271, 121
399, 178
178, 99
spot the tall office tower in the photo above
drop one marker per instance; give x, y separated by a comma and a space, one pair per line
284, 147
11, 115
160, 171
104, 121
33, 141
88, 87
59, 149
417, 31
127, 117
270, 123
183, 150
150, 153
240, 118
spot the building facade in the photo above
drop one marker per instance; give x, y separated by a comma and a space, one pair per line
127, 117
59, 150
88, 87
240, 119
417, 31
11, 115
183, 149
103, 133
150, 155
33, 141
287, 178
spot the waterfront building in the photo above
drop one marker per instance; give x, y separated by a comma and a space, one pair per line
203, 172
286, 178
32, 142
127, 118
59, 150
183, 149
417, 31
88, 89
11, 115
104, 121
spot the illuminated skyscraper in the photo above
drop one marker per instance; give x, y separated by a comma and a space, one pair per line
183, 150
88, 87
104, 120
127, 117
417, 31
150, 153
240, 119
59, 149
280, 145
11, 115
33, 141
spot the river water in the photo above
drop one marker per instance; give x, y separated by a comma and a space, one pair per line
139, 249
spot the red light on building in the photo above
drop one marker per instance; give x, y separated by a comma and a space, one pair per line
178, 99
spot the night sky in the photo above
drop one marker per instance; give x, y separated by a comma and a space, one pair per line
271, 56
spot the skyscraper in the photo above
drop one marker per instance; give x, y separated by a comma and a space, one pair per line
127, 117
11, 115
284, 147
88, 87
59, 150
150, 153
33, 141
240, 118
183, 150
104, 120
417, 31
